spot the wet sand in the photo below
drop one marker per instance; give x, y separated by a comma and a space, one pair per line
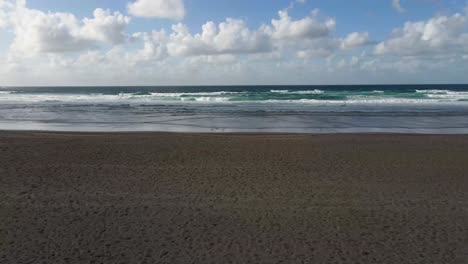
200, 198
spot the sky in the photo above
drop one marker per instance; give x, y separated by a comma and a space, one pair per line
241, 42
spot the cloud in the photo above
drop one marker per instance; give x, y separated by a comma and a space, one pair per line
306, 28
228, 52
154, 47
61, 48
106, 27
308, 37
355, 39
170, 9
397, 6
38, 32
4, 20
321, 52
5, 9
229, 37
437, 36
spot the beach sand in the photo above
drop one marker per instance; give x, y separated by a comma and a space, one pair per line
233, 198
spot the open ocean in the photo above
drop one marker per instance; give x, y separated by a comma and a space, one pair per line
296, 109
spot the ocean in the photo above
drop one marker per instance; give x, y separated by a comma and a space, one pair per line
436, 109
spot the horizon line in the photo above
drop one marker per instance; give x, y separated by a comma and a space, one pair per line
226, 85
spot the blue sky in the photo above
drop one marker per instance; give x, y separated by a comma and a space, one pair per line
314, 42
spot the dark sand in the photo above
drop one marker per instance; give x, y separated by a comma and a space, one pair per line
187, 198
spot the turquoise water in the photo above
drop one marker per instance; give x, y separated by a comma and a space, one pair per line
295, 109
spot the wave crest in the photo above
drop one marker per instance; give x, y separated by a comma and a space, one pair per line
316, 91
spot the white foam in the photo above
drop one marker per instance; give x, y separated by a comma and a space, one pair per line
212, 99
445, 95
116, 98
279, 91
375, 101
450, 95
432, 91
431, 97
316, 91
193, 94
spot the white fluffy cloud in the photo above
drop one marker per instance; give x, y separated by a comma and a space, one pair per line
436, 36
5, 7
322, 51
106, 27
170, 9
229, 37
396, 4
307, 28
227, 51
309, 37
154, 46
355, 39
39, 32
286, 49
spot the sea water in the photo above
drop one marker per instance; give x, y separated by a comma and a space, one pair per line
434, 109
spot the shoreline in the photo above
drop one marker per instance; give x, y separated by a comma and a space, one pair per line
193, 197
58, 132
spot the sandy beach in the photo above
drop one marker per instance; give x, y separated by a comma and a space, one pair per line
233, 198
